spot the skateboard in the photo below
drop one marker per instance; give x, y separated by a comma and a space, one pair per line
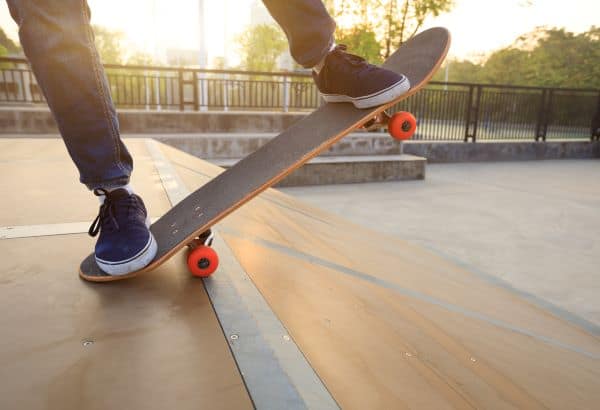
188, 223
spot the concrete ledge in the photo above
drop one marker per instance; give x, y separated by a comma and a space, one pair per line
222, 146
166, 122
26, 121
40, 121
238, 145
351, 169
219, 135
446, 152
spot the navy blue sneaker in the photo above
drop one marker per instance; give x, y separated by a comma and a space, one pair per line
125, 243
349, 78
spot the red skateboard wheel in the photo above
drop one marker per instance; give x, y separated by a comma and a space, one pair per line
402, 125
202, 261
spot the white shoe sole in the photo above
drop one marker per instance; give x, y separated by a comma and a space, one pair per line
375, 99
136, 262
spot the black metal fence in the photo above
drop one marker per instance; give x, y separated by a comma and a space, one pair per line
445, 111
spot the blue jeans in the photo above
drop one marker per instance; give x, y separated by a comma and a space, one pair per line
58, 41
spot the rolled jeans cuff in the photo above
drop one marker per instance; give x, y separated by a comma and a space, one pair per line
108, 185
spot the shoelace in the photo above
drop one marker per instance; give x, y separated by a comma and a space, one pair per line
340, 50
106, 213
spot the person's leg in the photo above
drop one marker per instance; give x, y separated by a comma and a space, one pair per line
339, 76
58, 41
308, 27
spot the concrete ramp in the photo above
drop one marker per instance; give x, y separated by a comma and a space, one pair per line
306, 311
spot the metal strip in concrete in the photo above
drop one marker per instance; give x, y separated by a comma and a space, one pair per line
173, 186
31, 231
274, 369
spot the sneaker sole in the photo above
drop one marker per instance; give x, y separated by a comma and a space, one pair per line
136, 262
372, 100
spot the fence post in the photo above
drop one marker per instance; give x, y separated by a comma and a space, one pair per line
540, 119
181, 98
203, 80
477, 109
547, 114
195, 85
225, 92
157, 89
147, 96
473, 112
286, 94
26, 80
468, 113
595, 128
169, 92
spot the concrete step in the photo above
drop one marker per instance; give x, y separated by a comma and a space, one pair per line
238, 145
214, 146
349, 169
39, 120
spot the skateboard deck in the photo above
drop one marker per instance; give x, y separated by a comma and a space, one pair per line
418, 59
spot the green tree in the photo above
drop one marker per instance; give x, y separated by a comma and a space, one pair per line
140, 58
108, 42
3, 53
460, 71
507, 66
361, 40
548, 57
10, 46
219, 63
261, 45
566, 59
393, 21
545, 57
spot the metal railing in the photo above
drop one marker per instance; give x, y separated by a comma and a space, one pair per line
470, 112
203, 90
445, 111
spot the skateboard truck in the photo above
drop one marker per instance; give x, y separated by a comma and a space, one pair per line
202, 260
401, 125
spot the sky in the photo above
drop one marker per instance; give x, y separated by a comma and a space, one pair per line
478, 27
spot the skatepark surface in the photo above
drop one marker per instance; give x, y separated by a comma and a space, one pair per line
532, 226
307, 310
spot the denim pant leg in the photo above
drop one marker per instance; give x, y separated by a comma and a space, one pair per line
308, 27
58, 41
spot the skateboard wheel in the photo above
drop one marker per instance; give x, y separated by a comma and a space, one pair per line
402, 125
202, 261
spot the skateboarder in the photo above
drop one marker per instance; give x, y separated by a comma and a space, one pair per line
58, 41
